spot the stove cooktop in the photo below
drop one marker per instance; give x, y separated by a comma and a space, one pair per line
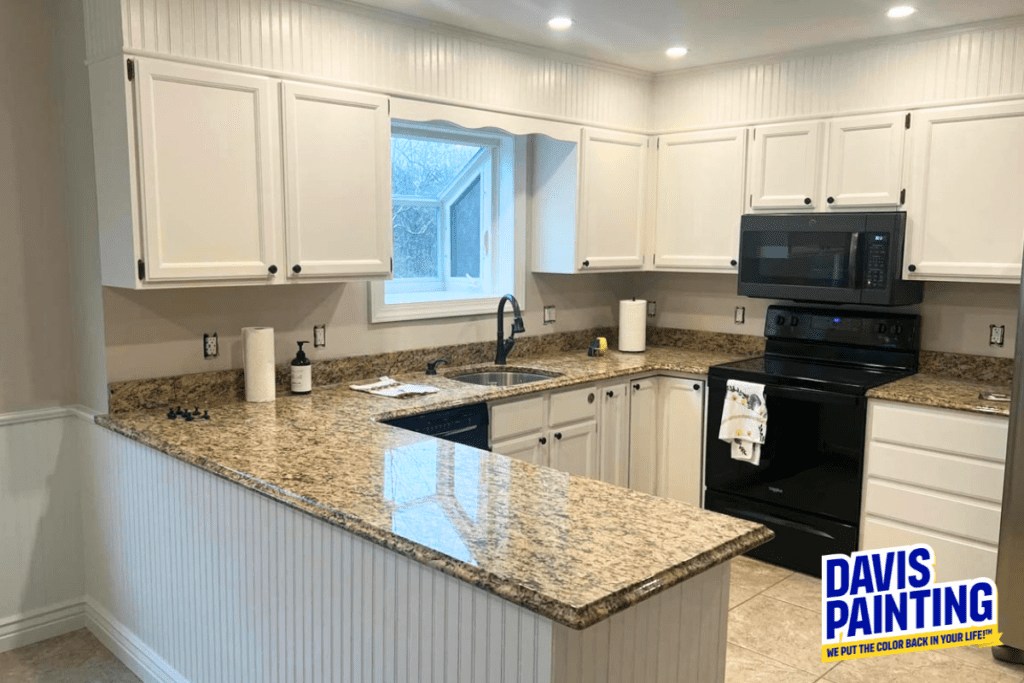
822, 376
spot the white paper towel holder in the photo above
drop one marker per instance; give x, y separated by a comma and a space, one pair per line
633, 337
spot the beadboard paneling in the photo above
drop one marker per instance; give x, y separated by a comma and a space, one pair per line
227, 585
41, 578
360, 47
103, 28
984, 61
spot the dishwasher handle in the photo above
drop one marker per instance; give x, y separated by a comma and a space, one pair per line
453, 432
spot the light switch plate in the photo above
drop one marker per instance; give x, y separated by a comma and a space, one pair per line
740, 315
549, 315
652, 309
319, 336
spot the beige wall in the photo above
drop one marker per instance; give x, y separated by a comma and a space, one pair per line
955, 316
36, 366
159, 333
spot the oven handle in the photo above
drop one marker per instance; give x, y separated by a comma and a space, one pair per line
815, 395
772, 519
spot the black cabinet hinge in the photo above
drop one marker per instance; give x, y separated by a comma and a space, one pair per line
907, 123
131, 69
142, 269
903, 196
392, 268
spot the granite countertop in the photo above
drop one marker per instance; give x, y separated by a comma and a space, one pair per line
574, 550
944, 392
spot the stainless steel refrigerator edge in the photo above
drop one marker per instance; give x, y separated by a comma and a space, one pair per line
1009, 579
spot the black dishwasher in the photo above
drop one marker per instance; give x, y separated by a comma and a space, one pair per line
466, 424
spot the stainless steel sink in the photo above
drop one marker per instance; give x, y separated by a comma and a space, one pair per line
501, 378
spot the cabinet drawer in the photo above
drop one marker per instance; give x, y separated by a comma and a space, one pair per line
937, 511
571, 406
981, 436
516, 418
958, 560
933, 470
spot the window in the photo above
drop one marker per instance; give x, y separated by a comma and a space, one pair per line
454, 223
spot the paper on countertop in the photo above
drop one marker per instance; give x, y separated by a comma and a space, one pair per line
391, 388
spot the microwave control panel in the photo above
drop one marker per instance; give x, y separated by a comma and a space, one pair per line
877, 260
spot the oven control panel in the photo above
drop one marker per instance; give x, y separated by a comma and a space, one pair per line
837, 326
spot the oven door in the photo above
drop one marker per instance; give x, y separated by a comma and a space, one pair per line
812, 460
801, 258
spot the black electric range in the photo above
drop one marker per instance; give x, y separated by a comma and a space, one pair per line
818, 365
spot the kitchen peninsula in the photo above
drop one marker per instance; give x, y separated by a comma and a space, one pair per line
375, 553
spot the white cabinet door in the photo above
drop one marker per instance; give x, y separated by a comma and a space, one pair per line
681, 449
967, 171
531, 448
518, 418
613, 421
208, 140
701, 196
337, 162
785, 171
613, 173
643, 436
865, 160
573, 449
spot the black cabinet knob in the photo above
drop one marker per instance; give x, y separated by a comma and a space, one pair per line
558, 435
732, 263
543, 441
807, 200
296, 268
831, 200
911, 267
696, 387
610, 394
637, 387
590, 398
273, 270
586, 264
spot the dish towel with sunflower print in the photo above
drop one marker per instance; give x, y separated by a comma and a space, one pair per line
744, 420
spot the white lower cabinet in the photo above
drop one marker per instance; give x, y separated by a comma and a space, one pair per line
613, 433
574, 449
681, 447
531, 448
935, 476
643, 435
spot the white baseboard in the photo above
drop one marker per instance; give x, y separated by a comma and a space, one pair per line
126, 646
31, 627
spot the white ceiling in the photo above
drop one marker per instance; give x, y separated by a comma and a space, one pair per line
635, 33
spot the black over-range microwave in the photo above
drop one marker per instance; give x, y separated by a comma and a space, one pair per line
854, 258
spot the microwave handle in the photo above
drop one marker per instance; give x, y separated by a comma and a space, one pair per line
854, 266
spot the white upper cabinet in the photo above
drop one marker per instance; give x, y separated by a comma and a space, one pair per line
700, 199
785, 167
337, 169
967, 170
589, 202
613, 174
865, 161
207, 139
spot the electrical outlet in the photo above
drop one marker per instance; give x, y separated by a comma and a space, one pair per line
652, 309
740, 315
996, 335
319, 336
210, 348
549, 315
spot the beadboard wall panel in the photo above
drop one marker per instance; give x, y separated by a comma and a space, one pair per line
224, 584
103, 28
41, 577
359, 47
979, 62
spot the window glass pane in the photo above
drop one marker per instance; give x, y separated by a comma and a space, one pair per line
425, 168
465, 229
416, 240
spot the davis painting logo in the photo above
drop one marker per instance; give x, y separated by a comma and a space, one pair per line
880, 602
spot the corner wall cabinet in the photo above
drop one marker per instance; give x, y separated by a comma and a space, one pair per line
967, 168
700, 197
589, 202
199, 184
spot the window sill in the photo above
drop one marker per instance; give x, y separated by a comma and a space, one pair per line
428, 310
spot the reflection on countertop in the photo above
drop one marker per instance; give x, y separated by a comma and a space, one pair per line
572, 549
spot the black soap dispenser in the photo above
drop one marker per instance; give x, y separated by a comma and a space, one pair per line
302, 372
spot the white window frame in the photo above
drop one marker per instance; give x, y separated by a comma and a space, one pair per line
504, 202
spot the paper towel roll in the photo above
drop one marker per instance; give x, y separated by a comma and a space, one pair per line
258, 360
633, 325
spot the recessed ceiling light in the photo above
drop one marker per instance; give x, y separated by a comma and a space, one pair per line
560, 23
676, 51
900, 12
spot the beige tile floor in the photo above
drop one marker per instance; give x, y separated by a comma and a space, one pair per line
775, 637
76, 657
